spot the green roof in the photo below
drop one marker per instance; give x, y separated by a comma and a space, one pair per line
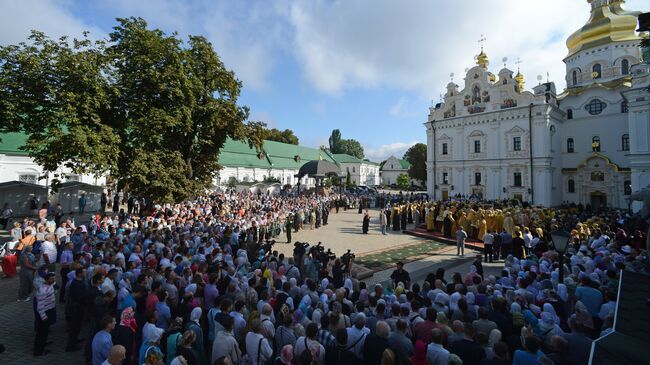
283, 155
405, 164
236, 153
345, 158
10, 143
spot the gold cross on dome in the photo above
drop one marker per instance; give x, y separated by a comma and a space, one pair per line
518, 62
481, 41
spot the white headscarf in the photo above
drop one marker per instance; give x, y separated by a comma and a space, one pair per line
195, 316
562, 292
453, 301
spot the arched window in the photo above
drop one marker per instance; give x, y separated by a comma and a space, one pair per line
625, 142
625, 67
569, 145
574, 78
595, 107
624, 107
571, 186
596, 71
569, 114
595, 144
627, 187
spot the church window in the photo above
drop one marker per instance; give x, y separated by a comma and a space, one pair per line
477, 178
517, 179
624, 106
574, 78
625, 142
595, 107
354, 169
597, 176
596, 71
569, 145
516, 143
571, 186
28, 178
477, 146
595, 144
627, 187
505, 81
569, 114
625, 67
445, 149
445, 178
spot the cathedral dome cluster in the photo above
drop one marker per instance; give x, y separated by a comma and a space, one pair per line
589, 144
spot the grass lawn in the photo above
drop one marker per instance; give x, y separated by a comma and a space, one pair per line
390, 256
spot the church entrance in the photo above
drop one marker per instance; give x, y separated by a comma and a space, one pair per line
598, 200
445, 195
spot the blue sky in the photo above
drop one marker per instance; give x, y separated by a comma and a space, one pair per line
367, 67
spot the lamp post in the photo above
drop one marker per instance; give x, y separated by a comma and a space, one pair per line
560, 240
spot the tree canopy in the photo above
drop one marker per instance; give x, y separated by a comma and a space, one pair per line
351, 147
416, 155
285, 136
145, 107
403, 181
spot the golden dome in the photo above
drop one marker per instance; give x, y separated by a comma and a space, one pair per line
482, 59
519, 78
607, 23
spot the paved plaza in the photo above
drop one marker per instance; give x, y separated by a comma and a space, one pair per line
342, 232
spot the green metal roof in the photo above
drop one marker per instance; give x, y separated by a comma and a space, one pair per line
405, 164
10, 143
345, 158
239, 154
283, 155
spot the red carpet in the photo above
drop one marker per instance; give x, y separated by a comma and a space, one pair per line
437, 236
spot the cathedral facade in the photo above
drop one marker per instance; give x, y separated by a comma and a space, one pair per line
589, 144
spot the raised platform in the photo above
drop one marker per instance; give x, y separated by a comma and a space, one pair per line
438, 236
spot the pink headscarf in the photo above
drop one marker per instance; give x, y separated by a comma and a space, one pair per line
286, 355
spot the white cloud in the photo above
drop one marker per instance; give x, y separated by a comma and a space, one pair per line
370, 44
403, 108
19, 18
378, 154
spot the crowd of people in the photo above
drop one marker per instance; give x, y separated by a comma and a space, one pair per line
200, 283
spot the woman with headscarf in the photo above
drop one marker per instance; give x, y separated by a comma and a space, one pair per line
494, 337
186, 348
517, 317
286, 356
443, 322
125, 333
548, 327
194, 325
420, 356
584, 319
150, 339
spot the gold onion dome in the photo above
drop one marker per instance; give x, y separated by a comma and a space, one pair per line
482, 59
519, 78
608, 22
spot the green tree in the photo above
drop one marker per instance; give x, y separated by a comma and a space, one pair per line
144, 106
403, 181
417, 157
285, 136
351, 147
334, 140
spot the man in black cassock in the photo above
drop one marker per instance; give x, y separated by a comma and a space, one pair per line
366, 222
447, 226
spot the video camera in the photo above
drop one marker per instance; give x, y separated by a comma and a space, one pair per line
347, 257
299, 248
268, 246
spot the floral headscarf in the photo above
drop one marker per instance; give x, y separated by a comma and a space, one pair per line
127, 319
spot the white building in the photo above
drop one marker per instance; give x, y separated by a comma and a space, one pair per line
494, 139
392, 168
362, 172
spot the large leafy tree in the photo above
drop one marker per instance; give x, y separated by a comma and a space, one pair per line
334, 140
352, 147
146, 107
403, 181
349, 146
285, 136
416, 155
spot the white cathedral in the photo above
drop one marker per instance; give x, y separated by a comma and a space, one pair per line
589, 144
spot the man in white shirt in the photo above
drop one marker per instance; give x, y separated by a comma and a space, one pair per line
257, 346
309, 342
488, 241
48, 252
436, 354
357, 335
267, 321
528, 239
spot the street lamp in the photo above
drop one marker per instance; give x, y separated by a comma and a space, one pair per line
560, 240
